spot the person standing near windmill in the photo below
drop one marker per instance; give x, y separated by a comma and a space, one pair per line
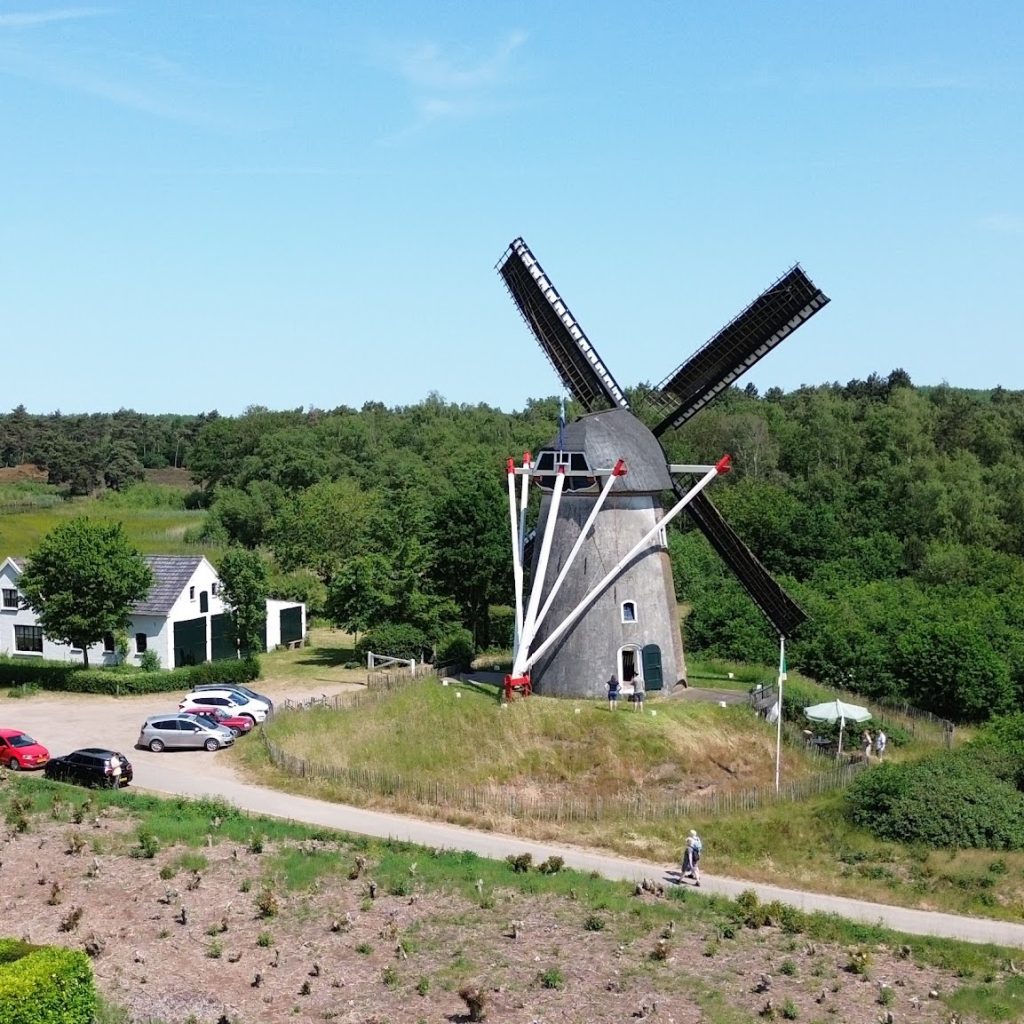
613, 692
638, 692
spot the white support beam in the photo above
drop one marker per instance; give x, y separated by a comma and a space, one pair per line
619, 470
530, 619
517, 553
525, 661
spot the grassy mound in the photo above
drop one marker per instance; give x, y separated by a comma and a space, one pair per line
462, 733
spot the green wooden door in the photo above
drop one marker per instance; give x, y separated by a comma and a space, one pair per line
222, 637
291, 625
190, 642
653, 677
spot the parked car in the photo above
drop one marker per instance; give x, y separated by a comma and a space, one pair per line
232, 701
19, 751
238, 688
238, 724
92, 766
181, 730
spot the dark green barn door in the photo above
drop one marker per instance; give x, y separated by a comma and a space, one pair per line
291, 625
653, 677
190, 642
222, 637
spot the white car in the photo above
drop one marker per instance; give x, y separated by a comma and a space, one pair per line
230, 700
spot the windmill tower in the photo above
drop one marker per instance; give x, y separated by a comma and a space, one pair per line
601, 572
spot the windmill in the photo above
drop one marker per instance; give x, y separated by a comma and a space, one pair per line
603, 599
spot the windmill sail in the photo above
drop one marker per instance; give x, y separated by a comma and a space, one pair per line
569, 350
771, 317
775, 604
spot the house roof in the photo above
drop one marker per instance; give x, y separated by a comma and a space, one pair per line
171, 574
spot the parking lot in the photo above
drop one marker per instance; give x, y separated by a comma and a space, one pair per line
63, 722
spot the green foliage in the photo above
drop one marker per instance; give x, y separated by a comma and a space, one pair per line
149, 661
243, 580
396, 640
455, 647
63, 676
949, 800
551, 977
45, 985
82, 580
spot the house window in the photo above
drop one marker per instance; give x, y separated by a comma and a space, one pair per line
140, 642
629, 611
204, 601
191, 593
213, 589
108, 643
28, 638
10, 598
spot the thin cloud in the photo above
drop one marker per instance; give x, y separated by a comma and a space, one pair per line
427, 67
444, 87
1004, 224
29, 19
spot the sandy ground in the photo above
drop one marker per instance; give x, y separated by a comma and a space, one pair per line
330, 952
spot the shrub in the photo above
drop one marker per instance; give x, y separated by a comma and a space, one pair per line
45, 985
395, 639
520, 863
149, 661
949, 800
148, 846
475, 999
72, 678
455, 647
551, 978
266, 903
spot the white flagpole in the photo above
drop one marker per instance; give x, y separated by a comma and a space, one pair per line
778, 721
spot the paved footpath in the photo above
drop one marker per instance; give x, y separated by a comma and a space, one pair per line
182, 781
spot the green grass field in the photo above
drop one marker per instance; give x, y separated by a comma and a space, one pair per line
160, 530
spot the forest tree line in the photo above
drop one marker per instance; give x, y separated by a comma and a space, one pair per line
893, 513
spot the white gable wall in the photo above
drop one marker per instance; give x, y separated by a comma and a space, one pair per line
159, 629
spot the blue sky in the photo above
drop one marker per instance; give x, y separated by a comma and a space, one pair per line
218, 204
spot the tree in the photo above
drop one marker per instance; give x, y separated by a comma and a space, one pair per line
82, 581
243, 583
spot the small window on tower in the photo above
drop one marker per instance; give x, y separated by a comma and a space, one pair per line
629, 611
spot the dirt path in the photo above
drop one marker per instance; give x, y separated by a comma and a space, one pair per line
68, 721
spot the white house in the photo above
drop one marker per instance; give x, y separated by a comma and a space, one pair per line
182, 619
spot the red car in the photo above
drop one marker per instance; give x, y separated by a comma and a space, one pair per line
238, 724
19, 751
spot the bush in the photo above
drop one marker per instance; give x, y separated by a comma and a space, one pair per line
72, 678
949, 800
455, 647
45, 985
394, 639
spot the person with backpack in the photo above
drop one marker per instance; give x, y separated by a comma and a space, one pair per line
691, 857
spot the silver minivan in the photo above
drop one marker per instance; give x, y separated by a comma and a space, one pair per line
180, 731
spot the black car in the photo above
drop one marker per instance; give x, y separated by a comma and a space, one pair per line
91, 766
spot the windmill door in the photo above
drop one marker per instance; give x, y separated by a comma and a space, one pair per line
653, 676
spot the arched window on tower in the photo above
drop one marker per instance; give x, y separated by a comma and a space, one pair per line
629, 611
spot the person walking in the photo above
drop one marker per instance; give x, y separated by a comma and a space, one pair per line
613, 692
880, 743
691, 857
865, 742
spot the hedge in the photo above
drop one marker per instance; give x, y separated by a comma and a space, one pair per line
45, 985
70, 678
